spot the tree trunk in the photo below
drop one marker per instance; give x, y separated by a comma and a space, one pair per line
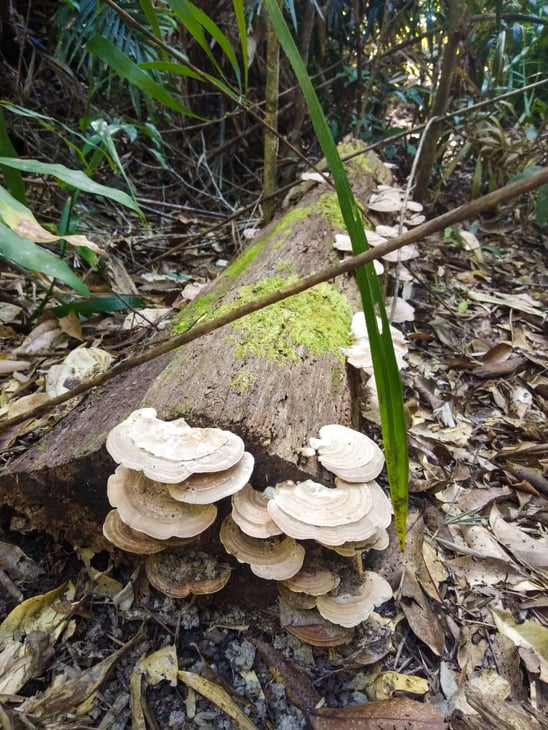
274, 377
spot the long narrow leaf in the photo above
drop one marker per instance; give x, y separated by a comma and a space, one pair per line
13, 178
74, 178
384, 361
239, 12
195, 21
27, 254
125, 67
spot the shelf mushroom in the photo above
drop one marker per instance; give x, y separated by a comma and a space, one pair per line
180, 573
250, 513
146, 505
349, 607
330, 515
275, 558
171, 451
349, 454
132, 541
164, 489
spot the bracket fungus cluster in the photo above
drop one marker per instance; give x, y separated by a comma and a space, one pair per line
307, 536
164, 490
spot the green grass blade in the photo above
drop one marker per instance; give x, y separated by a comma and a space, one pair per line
384, 361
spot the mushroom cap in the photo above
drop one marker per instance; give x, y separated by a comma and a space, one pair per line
276, 558
385, 204
249, 512
212, 486
351, 608
379, 541
146, 506
337, 535
403, 311
170, 451
349, 454
410, 251
179, 573
380, 511
319, 505
313, 581
132, 541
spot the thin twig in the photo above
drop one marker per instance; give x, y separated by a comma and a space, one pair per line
469, 210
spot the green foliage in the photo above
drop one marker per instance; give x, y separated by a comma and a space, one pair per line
19, 229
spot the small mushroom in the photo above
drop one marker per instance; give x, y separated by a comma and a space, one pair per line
146, 506
179, 573
343, 243
212, 486
349, 608
349, 454
401, 312
170, 451
276, 558
249, 512
132, 541
312, 580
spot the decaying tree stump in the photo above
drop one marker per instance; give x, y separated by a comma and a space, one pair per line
274, 377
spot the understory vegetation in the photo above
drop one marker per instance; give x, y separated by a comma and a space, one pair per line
144, 145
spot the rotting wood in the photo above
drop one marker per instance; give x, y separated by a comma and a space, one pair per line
274, 379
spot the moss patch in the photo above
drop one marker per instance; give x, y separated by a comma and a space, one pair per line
328, 206
244, 259
314, 322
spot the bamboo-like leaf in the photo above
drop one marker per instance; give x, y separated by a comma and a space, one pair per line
181, 70
125, 67
27, 254
196, 21
239, 12
384, 361
74, 178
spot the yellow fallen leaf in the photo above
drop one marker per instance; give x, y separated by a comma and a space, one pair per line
47, 612
387, 683
156, 667
218, 696
62, 698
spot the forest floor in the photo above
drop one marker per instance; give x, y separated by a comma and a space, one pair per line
86, 643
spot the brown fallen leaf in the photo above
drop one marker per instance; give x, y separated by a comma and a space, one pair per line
299, 689
420, 616
61, 699
393, 714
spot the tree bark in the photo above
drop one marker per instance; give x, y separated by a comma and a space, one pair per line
274, 377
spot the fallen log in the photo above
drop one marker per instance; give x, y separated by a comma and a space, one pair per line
274, 377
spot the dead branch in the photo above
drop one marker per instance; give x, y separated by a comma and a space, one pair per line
463, 212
